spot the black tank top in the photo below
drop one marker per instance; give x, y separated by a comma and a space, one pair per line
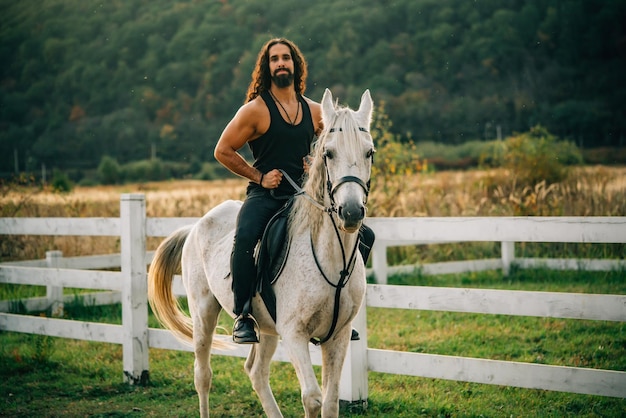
283, 145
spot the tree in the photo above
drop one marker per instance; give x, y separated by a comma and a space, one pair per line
445, 68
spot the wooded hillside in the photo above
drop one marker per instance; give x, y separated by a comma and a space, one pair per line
133, 78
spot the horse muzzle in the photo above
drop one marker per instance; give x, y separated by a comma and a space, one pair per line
351, 216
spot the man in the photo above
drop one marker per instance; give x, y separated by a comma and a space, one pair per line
278, 123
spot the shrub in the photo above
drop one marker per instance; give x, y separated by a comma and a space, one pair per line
536, 156
61, 182
146, 170
393, 157
109, 171
446, 156
195, 166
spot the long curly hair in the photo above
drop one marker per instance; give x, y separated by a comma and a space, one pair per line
261, 76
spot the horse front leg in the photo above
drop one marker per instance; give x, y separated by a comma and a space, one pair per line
258, 368
333, 356
298, 349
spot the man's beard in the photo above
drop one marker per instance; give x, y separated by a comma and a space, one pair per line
283, 80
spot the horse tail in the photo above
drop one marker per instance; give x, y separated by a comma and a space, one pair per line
166, 263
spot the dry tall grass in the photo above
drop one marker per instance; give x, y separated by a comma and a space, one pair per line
588, 191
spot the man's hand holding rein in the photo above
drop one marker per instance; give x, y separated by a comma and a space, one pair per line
271, 179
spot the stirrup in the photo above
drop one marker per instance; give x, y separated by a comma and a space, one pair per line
248, 339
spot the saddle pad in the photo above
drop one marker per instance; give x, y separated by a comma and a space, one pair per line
272, 255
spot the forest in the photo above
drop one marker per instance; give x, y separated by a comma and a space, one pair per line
138, 79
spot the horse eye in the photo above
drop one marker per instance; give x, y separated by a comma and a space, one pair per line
328, 154
370, 153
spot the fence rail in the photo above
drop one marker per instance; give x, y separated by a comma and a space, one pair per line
128, 286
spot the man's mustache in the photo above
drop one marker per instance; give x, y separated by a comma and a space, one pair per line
281, 70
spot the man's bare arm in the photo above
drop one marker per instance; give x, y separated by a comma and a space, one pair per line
250, 122
241, 129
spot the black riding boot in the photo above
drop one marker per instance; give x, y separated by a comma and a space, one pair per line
244, 330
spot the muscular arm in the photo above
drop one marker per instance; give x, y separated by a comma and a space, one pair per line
250, 122
242, 128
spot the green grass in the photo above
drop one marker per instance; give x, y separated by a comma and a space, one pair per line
50, 377
432, 253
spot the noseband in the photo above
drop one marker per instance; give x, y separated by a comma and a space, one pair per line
343, 180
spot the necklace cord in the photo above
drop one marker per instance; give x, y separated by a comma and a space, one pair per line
291, 122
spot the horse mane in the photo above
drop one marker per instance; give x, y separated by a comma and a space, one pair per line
304, 213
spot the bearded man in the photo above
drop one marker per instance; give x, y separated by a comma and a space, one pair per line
279, 125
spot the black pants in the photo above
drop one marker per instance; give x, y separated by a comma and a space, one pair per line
255, 214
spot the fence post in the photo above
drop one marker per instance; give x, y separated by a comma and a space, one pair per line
508, 256
134, 288
379, 262
54, 294
353, 384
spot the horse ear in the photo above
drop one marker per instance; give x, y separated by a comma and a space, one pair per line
364, 114
328, 109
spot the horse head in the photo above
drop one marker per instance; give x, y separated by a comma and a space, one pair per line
347, 152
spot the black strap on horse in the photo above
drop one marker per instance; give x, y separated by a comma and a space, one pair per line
344, 276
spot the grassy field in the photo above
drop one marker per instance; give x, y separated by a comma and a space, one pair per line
49, 377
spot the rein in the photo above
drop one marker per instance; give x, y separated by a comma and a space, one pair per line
301, 192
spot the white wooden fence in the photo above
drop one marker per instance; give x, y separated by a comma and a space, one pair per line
129, 287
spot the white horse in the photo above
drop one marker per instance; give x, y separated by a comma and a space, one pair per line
321, 286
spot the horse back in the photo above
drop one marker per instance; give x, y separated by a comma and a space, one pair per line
220, 220
207, 250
